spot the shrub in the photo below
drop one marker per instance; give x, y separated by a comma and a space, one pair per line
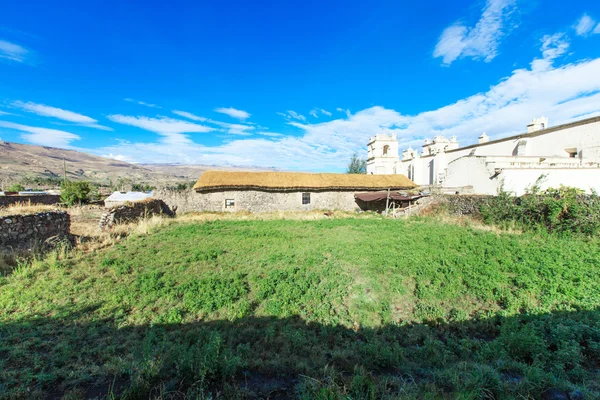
142, 187
563, 210
16, 188
76, 193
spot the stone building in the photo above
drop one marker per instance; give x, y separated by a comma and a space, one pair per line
567, 154
286, 191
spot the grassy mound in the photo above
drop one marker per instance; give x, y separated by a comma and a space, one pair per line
349, 308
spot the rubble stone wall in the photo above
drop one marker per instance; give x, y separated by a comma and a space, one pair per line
132, 212
44, 199
23, 231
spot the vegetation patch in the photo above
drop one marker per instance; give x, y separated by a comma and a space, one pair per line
330, 309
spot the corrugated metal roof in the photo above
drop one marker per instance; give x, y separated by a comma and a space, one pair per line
129, 196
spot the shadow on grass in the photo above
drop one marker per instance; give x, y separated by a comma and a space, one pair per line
74, 355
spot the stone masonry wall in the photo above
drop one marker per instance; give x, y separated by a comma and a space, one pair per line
258, 201
132, 212
23, 231
44, 199
463, 204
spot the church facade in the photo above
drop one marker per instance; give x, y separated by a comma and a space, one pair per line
567, 155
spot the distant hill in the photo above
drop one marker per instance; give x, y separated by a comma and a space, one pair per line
24, 162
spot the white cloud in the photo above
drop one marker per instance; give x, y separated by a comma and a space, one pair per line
585, 25
271, 134
171, 129
597, 30
290, 114
234, 113
480, 41
142, 103
315, 112
59, 113
233, 129
345, 111
189, 115
553, 46
13, 52
563, 93
118, 157
42, 136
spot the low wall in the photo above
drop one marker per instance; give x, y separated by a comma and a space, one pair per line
24, 231
132, 212
44, 199
181, 201
462, 204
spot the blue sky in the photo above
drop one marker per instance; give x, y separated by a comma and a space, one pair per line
291, 85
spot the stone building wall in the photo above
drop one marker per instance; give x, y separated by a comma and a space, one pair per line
258, 201
463, 204
23, 231
132, 212
44, 199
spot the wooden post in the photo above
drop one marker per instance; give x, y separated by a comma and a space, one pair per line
65, 171
387, 202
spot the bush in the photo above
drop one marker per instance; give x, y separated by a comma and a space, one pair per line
76, 193
16, 188
564, 210
142, 187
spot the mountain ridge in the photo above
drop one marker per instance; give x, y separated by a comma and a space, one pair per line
22, 163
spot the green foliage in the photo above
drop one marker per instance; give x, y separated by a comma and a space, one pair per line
15, 188
563, 210
43, 181
326, 309
80, 192
357, 165
142, 187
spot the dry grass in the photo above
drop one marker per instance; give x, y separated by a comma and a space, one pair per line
26, 208
287, 180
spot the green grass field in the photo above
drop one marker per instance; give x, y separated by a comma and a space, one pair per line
327, 309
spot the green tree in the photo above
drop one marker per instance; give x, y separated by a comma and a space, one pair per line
16, 188
76, 192
357, 165
142, 187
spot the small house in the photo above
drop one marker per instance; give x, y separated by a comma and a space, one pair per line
120, 198
289, 191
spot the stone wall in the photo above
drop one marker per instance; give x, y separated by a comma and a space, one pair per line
132, 212
462, 204
257, 201
44, 199
24, 231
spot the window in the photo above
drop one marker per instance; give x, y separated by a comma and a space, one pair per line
385, 149
229, 203
305, 198
572, 152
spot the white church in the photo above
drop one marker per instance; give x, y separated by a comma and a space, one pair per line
567, 155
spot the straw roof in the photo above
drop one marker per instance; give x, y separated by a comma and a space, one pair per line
276, 181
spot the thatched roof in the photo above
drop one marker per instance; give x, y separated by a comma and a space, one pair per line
275, 181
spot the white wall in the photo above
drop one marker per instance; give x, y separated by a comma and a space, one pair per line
460, 170
518, 180
471, 171
586, 138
